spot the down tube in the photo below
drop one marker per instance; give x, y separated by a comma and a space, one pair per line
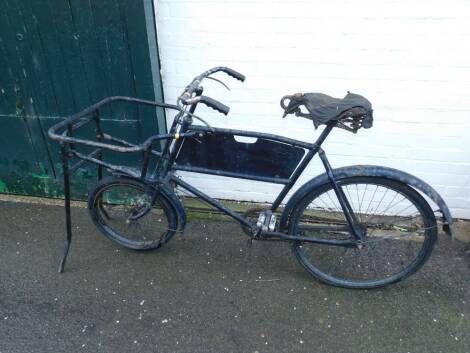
211, 201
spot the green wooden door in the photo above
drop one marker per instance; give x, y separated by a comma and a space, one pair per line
56, 58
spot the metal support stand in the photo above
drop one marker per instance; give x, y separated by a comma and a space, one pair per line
100, 138
68, 220
64, 131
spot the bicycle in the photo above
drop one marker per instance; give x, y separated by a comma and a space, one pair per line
356, 227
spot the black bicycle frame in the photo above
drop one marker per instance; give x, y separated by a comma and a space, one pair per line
167, 164
313, 149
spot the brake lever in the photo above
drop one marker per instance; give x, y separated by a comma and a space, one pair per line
219, 81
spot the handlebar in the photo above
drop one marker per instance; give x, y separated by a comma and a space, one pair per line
187, 98
233, 73
210, 102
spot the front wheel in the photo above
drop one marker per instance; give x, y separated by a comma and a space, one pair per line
400, 229
132, 213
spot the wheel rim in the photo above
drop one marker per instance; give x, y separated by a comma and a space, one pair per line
126, 213
398, 233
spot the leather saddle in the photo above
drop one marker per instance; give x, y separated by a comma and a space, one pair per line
351, 112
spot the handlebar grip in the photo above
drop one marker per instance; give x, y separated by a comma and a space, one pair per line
214, 104
234, 74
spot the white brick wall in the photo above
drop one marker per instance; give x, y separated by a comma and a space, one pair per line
410, 58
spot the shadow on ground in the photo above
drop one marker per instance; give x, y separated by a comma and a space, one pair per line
209, 292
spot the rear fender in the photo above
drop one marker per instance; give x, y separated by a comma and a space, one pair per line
370, 170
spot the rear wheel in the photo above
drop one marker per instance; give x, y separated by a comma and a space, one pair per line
129, 213
401, 232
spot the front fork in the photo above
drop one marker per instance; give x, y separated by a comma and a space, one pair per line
357, 229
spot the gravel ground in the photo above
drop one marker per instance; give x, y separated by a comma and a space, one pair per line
207, 291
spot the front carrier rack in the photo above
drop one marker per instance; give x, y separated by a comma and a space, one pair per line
65, 133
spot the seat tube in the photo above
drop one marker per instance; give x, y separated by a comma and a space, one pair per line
301, 167
355, 226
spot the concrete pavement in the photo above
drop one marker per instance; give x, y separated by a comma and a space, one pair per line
207, 291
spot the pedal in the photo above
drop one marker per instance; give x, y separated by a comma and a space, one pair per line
266, 221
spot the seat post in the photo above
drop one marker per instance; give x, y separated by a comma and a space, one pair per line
329, 126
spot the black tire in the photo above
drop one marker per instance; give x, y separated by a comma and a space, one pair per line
396, 235
126, 211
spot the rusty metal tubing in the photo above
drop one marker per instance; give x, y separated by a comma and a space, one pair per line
128, 144
73, 118
68, 219
80, 123
70, 124
93, 154
124, 170
137, 148
99, 137
80, 119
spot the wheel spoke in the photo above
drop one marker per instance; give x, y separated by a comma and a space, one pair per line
371, 199
400, 229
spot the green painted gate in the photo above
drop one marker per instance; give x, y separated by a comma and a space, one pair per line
56, 58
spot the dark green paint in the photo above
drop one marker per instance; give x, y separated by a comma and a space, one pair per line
58, 57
